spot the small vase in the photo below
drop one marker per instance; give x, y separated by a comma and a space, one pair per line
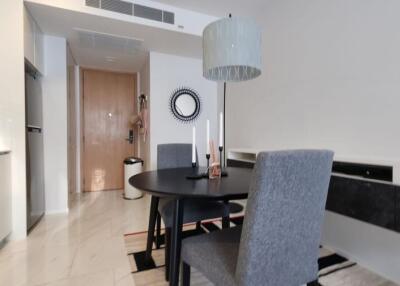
214, 171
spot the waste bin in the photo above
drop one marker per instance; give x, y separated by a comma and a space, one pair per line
132, 166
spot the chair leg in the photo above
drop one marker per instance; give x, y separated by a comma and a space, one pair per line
185, 274
167, 252
313, 283
152, 224
198, 225
158, 232
225, 218
225, 222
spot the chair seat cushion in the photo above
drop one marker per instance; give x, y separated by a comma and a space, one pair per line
214, 254
194, 210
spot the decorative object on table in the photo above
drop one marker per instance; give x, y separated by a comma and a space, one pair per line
185, 104
214, 171
231, 52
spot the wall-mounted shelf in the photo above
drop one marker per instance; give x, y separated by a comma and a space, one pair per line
243, 155
373, 197
250, 155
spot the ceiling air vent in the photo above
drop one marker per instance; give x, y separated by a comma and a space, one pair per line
117, 6
136, 10
109, 42
93, 3
147, 12
168, 17
153, 14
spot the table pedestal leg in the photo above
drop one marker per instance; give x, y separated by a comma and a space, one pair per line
225, 218
152, 224
176, 243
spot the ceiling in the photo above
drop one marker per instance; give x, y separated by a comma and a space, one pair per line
222, 8
111, 44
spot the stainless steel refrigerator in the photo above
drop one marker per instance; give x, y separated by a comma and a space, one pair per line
34, 148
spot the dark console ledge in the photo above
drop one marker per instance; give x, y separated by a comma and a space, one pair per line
371, 201
361, 191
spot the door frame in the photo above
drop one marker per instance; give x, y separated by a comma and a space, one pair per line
82, 115
72, 134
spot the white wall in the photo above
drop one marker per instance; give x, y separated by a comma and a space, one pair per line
373, 247
168, 73
55, 125
12, 106
331, 79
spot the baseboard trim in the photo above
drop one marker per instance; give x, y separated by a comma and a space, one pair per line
5, 240
53, 212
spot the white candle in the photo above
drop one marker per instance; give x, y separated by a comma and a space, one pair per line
221, 131
194, 146
208, 138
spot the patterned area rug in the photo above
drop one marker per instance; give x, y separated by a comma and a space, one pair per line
334, 270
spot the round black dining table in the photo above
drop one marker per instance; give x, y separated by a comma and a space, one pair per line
179, 185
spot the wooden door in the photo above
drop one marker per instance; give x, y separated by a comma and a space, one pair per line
109, 103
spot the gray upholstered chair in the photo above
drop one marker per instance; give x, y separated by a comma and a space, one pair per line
279, 241
180, 156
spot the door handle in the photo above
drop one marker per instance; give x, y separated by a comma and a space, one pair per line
130, 137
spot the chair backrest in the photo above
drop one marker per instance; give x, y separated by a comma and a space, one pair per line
174, 156
284, 214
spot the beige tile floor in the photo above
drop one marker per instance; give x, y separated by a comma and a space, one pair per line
84, 247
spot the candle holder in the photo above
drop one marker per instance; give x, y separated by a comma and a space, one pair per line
195, 175
223, 168
206, 174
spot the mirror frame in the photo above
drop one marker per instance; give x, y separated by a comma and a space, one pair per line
174, 97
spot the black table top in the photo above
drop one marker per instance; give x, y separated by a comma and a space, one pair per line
174, 183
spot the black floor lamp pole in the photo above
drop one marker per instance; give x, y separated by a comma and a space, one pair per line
224, 143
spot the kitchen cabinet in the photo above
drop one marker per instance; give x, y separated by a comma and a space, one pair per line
33, 42
29, 37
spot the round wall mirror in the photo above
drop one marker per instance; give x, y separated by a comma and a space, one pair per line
185, 104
